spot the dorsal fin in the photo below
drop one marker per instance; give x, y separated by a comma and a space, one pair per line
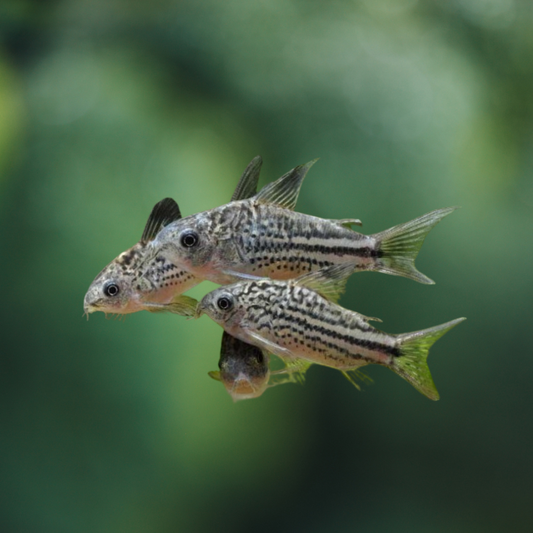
329, 282
163, 213
247, 186
285, 190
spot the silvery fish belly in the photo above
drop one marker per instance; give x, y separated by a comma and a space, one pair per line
299, 319
263, 236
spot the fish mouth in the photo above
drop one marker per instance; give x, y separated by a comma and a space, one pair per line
243, 389
199, 310
89, 308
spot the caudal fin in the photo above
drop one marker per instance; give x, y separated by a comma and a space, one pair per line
400, 245
411, 364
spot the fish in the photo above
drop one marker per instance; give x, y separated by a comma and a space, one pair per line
263, 236
299, 319
245, 372
121, 288
117, 289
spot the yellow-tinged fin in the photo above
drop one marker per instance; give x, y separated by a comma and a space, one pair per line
329, 282
353, 376
285, 190
247, 186
294, 371
163, 213
411, 364
215, 374
400, 245
180, 305
297, 367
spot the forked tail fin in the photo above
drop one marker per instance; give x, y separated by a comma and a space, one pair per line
400, 245
411, 364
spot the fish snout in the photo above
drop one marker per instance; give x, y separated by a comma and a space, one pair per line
90, 303
243, 388
200, 309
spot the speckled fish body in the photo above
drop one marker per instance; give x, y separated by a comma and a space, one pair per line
130, 283
292, 319
263, 237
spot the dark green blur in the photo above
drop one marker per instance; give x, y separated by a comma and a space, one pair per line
107, 107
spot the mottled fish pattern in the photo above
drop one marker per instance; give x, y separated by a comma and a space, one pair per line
130, 284
122, 287
263, 237
292, 319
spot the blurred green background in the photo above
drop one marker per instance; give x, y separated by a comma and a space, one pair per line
108, 106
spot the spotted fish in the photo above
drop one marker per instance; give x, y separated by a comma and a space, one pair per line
298, 319
122, 287
244, 369
119, 289
263, 237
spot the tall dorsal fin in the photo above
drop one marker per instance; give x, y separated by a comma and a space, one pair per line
285, 190
163, 213
329, 282
247, 186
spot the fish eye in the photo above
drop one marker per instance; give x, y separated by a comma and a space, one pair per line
111, 289
189, 239
224, 303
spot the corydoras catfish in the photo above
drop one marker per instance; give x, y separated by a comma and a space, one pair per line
298, 318
119, 289
263, 237
122, 287
244, 369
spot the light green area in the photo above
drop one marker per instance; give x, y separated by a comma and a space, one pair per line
410, 106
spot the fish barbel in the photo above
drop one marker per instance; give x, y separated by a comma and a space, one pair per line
244, 369
298, 319
122, 287
263, 237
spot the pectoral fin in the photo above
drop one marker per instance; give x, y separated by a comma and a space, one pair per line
181, 305
215, 374
266, 344
242, 275
285, 190
163, 213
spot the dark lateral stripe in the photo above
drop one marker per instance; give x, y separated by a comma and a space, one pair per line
328, 345
364, 251
317, 249
349, 339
